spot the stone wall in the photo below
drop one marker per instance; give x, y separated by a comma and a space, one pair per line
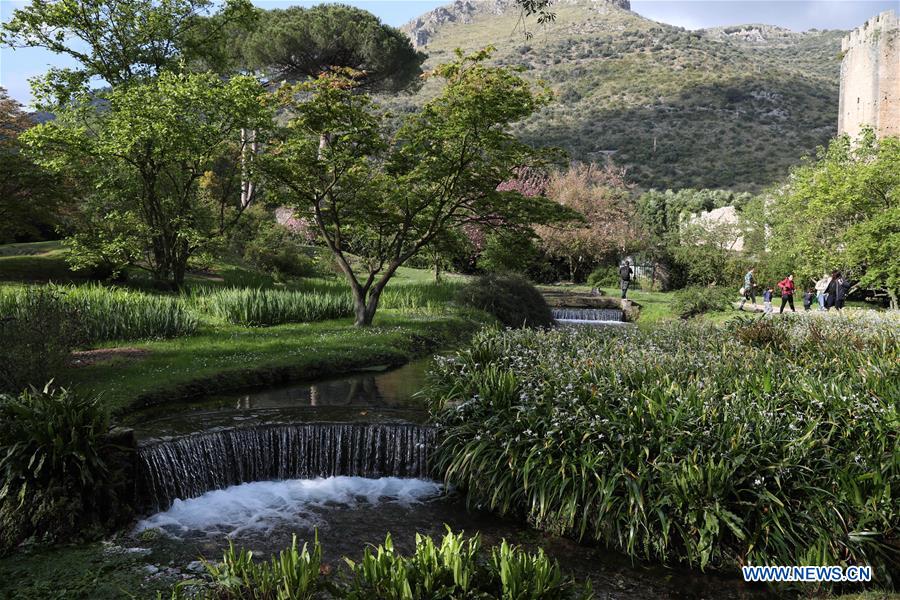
870, 77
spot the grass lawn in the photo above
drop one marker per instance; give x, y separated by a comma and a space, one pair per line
222, 357
36, 261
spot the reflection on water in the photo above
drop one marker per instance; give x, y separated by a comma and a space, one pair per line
384, 395
375, 389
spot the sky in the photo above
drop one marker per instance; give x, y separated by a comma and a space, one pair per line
16, 66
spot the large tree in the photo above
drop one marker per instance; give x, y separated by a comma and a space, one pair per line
379, 201
298, 43
159, 166
601, 196
841, 210
119, 41
29, 194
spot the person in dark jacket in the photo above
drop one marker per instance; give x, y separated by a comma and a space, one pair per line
835, 287
808, 298
841, 290
625, 275
787, 292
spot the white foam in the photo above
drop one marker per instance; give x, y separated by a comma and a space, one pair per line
262, 505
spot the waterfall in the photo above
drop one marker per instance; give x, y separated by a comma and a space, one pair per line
186, 467
588, 315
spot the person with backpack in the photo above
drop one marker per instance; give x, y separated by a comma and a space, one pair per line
625, 276
748, 291
787, 293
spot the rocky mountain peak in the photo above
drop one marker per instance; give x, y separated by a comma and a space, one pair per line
422, 29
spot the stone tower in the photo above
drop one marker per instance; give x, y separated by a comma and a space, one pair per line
870, 77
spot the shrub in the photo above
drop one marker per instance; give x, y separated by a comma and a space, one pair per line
510, 298
54, 466
38, 332
451, 569
685, 444
292, 575
604, 276
693, 301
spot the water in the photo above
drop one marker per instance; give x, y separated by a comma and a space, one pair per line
257, 511
588, 316
188, 466
378, 395
347, 459
349, 513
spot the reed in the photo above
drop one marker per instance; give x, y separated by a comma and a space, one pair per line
263, 307
313, 300
760, 442
108, 313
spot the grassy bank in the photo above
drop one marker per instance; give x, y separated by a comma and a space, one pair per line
224, 357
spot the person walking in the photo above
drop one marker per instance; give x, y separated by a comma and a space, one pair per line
842, 289
625, 276
787, 293
767, 301
748, 289
831, 290
821, 285
808, 298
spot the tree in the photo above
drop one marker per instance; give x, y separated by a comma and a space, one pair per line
119, 41
839, 211
601, 196
386, 199
29, 194
297, 43
159, 168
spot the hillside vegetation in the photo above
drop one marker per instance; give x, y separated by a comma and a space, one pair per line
729, 107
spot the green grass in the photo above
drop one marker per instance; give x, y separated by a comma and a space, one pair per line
36, 261
229, 356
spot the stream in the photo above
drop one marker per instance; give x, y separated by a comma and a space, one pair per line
345, 459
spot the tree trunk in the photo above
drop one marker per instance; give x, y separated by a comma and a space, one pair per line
437, 271
895, 302
249, 148
572, 268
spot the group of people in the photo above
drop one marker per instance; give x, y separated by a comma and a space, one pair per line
830, 292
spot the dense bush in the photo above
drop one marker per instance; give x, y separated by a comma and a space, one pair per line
38, 332
271, 247
696, 300
604, 276
56, 478
452, 568
510, 298
689, 443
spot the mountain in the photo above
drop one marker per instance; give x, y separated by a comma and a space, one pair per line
730, 107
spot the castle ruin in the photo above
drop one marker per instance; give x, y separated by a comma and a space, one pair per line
870, 78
